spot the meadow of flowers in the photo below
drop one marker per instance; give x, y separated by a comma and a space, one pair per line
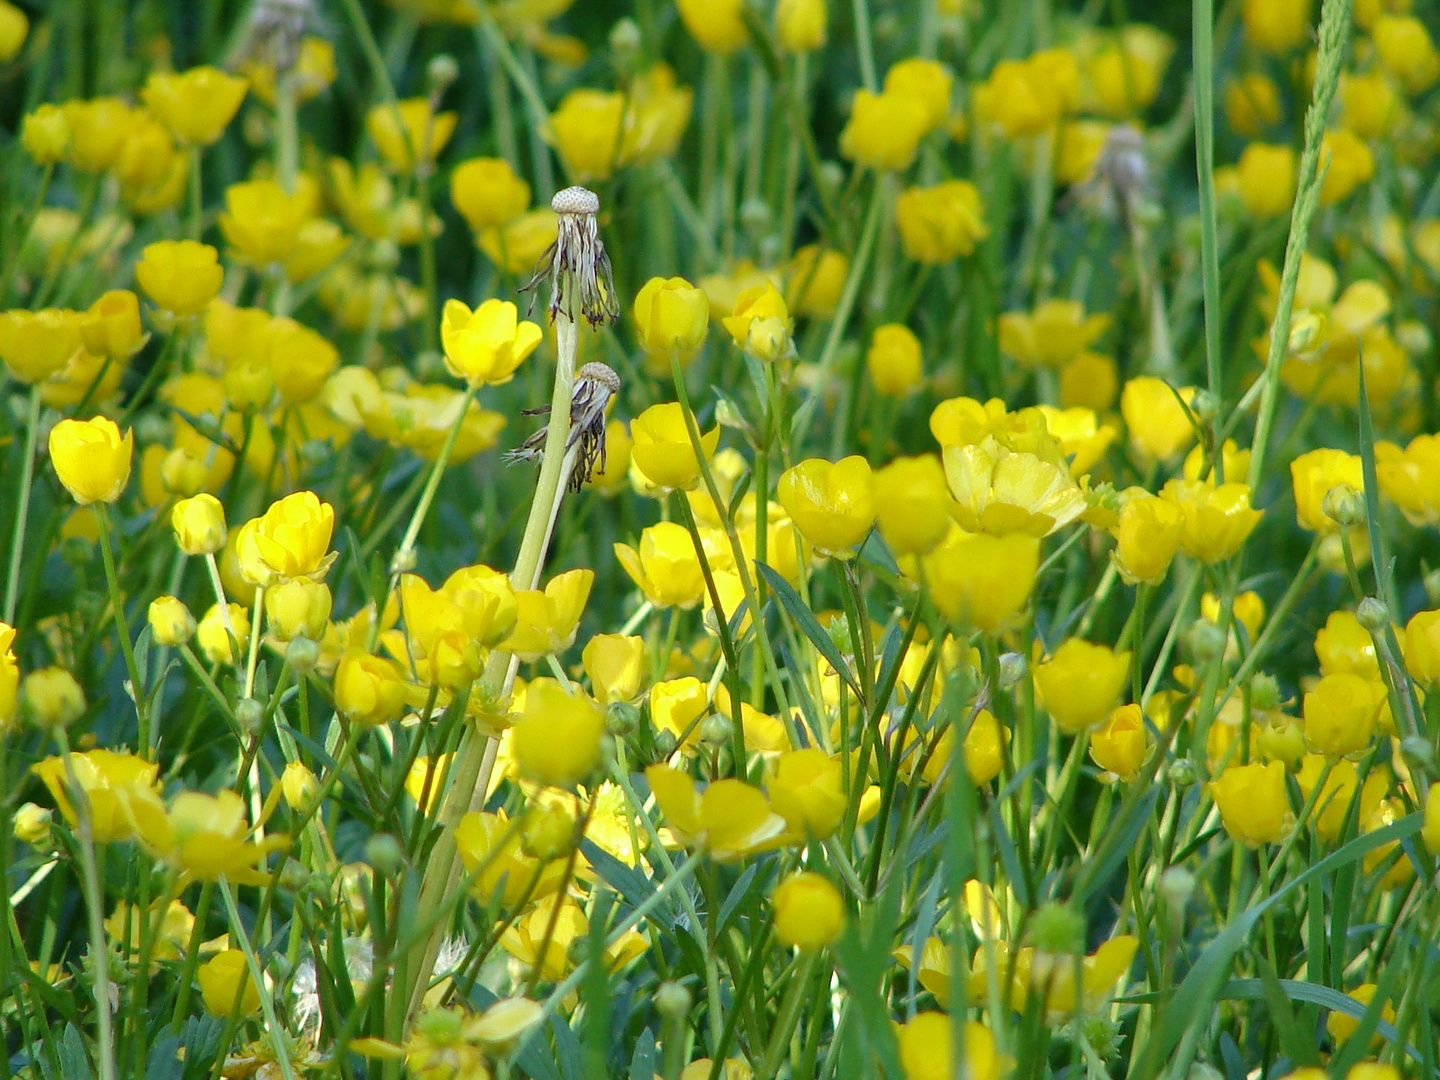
719, 538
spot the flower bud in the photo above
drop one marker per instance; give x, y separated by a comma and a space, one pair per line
1432, 587
1183, 772
1013, 668
51, 698
45, 134
297, 608
1372, 614
182, 473
382, 851
1176, 886
199, 525
665, 742
809, 911
249, 715
32, 825
441, 73
1206, 641
91, 458
625, 42
673, 1000
1344, 505
300, 788
170, 621
1058, 929
293, 877
302, 654
1264, 693
621, 719
716, 729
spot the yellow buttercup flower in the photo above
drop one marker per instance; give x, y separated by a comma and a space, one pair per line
487, 193
199, 524
885, 130
928, 82
1343, 646
1217, 519
491, 845
1000, 491
91, 458
1052, 335
760, 322
800, 25
546, 621
1090, 381
1122, 744
108, 780
831, 504
677, 706
586, 129
1124, 73
1252, 802
1341, 713
809, 911
1276, 26
111, 325
1267, 176
912, 504
665, 568
662, 452
1159, 424
1369, 104
1422, 647
1146, 537
14, 28
203, 835
894, 360
37, 344
226, 986
1252, 104
291, 539
518, 245
1406, 51
51, 697
413, 139
45, 134
440, 649
214, 632
98, 130
671, 316
1410, 478
196, 105
1082, 437
485, 601
729, 820
1080, 684
317, 245
615, 664
261, 221
1027, 97
940, 223
807, 790
816, 279
1430, 832
1314, 475
557, 738
488, 344
311, 75
299, 360
181, 276
298, 608
1348, 163
716, 24
927, 1049
979, 580
369, 689
9, 676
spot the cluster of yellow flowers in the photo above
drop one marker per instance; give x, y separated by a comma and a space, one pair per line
955, 618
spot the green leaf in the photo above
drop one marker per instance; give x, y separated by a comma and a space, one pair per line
806, 623
642, 1063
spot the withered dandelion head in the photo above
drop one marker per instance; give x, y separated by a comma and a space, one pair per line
578, 256
276, 27
595, 385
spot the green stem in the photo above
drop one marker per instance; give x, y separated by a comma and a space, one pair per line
417, 519
122, 626
22, 233
22, 504
267, 1006
864, 48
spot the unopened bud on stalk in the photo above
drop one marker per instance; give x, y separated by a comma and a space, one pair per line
302, 654
382, 851
665, 742
1372, 614
625, 42
1203, 405
829, 177
1057, 929
1176, 886
1013, 668
755, 215
1183, 772
1344, 505
440, 73
1432, 587
1264, 693
621, 718
51, 698
673, 1001
293, 877
717, 729
32, 825
403, 562
249, 715
1206, 641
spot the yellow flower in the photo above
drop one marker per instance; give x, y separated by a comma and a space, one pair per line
1410, 478
831, 504
542, 939
1217, 519
1160, 426
557, 738
1080, 684
717, 25
894, 360
1089, 380
485, 601
1125, 76
1267, 175
300, 788
9, 676
928, 82
979, 580
1369, 105
213, 635
1252, 802
806, 789
203, 835
291, 539
760, 322
225, 983
487, 193
1341, 713
1422, 647
181, 276
1082, 438
170, 621
300, 360
1347, 162
927, 1050
1343, 646
369, 689
488, 344
671, 316
999, 491
414, 138
261, 221
1341, 1026
108, 780
677, 706
615, 664
14, 28
98, 130
1146, 537
1027, 97
91, 458
1406, 51
800, 25
491, 845
586, 130
885, 130
50, 697
1252, 104
1051, 336
809, 911
37, 344
1430, 831
662, 451
940, 223
195, 105
546, 621
297, 608
666, 567
730, 820
517, 245
317, 245
912, 504
312, 74
440, 648
199, 524
1122, 745
45, 134
816, 278
1314, 475
111, 325
1276, 26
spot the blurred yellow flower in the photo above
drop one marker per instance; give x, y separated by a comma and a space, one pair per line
1406, 51
215, 629
45, 134
885, 130
809, 911
729, 820
586, 130
1080, 684
409, 134
98, 130
1159, 424
37, 344
261, 221
1028, 97
108, 780
1124, 73
978, 580
1252, 802
716, 24
1410, 478
662, 451
312, 73
1217, 519
226, 986
940, 223
678, 706
1052, 335
111, 325
760, 322
806, 789
1314, 475
489, 846
488, 344
1252, 104
1369, 105
894, 360
557, 738
546, 621
1276, 26
927, 1050
1267, 174
1422, 647
831, 504
912, 504
170, 621
196, 105
928, 82
14, 28
800, 25
91, 458
181, 276
51, 697
816, 279
1347, 162
1341, 713
517, 245
487, 193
